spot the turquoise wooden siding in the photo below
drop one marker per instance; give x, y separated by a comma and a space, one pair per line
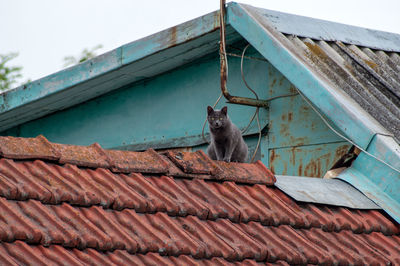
168, 112
165, 111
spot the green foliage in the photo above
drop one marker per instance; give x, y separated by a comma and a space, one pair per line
86, 54
8, 74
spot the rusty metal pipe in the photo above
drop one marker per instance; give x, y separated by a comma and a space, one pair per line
223, 68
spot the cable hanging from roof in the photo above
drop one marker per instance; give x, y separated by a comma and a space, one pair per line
343, 137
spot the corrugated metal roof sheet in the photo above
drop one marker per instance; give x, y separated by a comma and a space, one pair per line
363, 63
370, 77
197, 213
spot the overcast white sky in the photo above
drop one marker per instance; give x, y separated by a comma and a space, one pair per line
45, 31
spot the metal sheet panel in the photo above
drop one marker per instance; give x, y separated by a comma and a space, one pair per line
310, 160
330, 31
324, 191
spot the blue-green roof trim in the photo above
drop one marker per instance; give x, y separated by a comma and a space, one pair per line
369, 175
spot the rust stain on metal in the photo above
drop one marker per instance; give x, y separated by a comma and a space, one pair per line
272, 158
300, 168
284, 128
273, 82
293, 157
290, 117
293, 89
340, 151
173, 37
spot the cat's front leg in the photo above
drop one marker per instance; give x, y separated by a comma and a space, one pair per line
228, 151
219, 151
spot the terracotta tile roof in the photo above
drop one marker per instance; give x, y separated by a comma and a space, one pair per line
86, 205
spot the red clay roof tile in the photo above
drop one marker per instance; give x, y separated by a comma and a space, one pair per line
90, 156
193, 162
142, 162
27, 148
86, 205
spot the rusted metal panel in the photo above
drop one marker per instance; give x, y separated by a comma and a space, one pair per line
311, 161
324, 191
292, 122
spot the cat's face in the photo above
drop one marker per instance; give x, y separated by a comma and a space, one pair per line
217, 118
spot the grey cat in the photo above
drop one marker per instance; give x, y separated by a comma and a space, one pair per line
227, 143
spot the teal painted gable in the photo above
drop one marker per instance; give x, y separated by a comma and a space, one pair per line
168, 111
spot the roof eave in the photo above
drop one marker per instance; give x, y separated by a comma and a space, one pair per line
129, 63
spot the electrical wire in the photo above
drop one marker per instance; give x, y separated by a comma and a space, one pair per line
247, 57
343, 137
257, 112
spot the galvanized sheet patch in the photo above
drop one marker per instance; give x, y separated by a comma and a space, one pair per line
324, 191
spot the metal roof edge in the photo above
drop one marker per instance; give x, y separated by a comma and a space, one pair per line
330, 31
343, 111
60, 80
101, 65
372, 191
388, 150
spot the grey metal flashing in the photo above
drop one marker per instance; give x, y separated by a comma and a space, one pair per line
324, 191
330, 31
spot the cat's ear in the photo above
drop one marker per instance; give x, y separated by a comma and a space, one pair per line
224, 110
210, 110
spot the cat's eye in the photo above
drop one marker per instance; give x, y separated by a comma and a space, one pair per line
212, 118
220, 119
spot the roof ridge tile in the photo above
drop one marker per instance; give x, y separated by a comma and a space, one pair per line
148, 161
193, 162
175, 163
28, 148
87, 156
